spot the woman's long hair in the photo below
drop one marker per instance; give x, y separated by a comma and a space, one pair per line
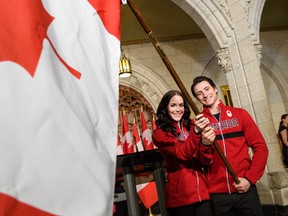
282, 118
164, 121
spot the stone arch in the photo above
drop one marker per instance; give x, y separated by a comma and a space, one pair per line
277, 97
274, 71
255, 9
213, 17
147, 82
213, 70
133, 103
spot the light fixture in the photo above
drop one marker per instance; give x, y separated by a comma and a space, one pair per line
125, 69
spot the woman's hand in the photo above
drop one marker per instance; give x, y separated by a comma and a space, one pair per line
208, 136
200, 123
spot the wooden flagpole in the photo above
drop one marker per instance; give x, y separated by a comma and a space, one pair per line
178, 81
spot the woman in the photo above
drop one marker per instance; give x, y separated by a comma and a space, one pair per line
186, 148
282, 132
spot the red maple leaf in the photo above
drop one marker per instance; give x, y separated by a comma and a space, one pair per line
23, 27
11, 206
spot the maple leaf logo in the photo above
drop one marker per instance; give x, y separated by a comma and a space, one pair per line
23, 27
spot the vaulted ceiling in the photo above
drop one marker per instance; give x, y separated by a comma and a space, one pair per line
169, 22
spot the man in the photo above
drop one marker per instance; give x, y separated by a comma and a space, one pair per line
236, 132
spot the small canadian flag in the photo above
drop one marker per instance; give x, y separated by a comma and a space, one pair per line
146, 133
127, 143
119, 150
147, 192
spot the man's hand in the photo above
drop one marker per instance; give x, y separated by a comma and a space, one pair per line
243, 186
208, 136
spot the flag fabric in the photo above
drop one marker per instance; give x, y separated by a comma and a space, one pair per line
127, 143
114, 208
147, 192
154, 126
59, 106
119, 150
146, 134
137, 140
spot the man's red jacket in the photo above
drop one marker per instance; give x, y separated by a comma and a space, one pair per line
236, 132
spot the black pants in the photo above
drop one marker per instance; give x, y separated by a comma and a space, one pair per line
198, 209
285, 154
237, 204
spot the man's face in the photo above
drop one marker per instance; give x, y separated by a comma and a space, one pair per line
206, 94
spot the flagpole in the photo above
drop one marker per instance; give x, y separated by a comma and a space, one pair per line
141, 136
178, 81
137, 121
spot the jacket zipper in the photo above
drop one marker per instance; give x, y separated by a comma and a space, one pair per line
224, 146
198, 191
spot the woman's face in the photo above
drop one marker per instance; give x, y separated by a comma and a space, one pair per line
286, 120
176, 108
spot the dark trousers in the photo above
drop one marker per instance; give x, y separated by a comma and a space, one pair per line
198, 209
237, 204
285, 154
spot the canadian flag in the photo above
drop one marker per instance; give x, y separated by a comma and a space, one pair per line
147, 192
146, 134
59, 104
127, 143
137, 140
119, 150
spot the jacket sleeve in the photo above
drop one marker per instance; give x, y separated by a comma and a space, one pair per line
204, 154
191, 147
258, 145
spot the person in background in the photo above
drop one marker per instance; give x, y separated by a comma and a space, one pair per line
283, 136
236, 132
186, 147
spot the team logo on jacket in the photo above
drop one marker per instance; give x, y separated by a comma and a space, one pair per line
225, 124
228, 112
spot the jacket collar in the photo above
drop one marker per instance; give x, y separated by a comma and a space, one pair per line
178, 129
221, 106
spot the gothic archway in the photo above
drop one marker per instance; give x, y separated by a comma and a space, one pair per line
133, 102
